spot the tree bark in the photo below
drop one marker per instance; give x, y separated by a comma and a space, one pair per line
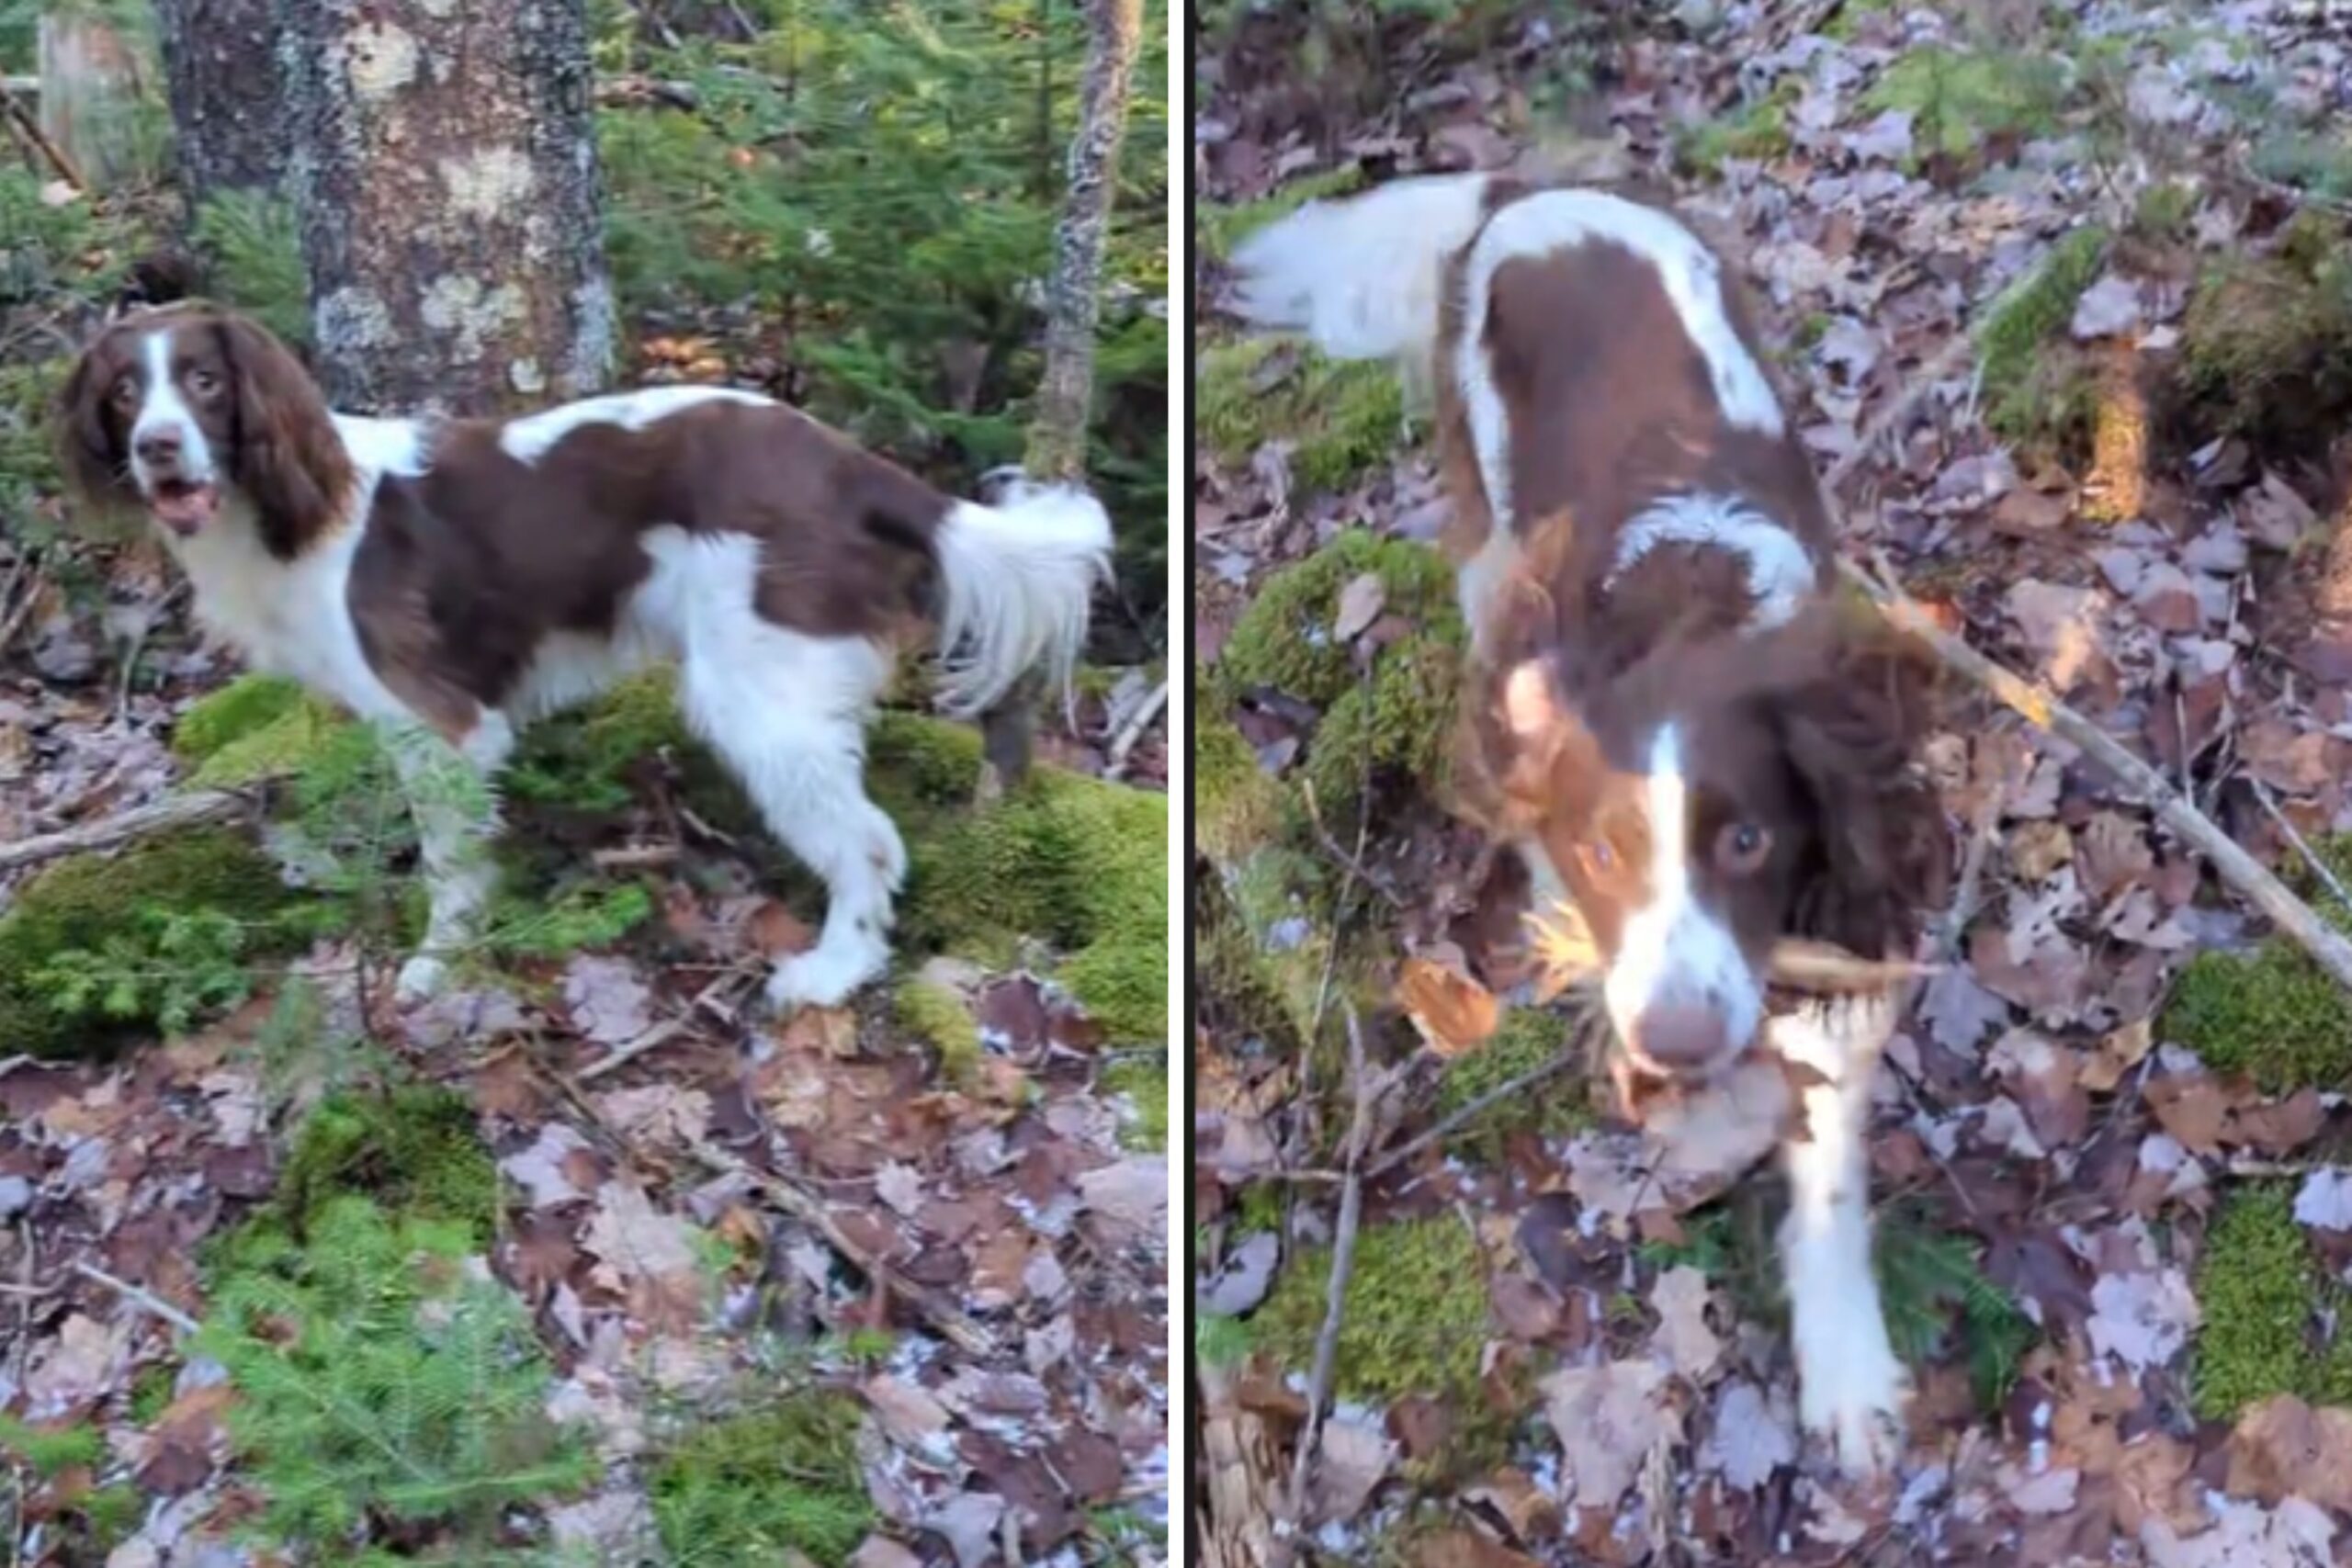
226, 78
89, 89
445, 167
1073, 309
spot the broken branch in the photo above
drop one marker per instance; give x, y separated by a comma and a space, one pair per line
174, 811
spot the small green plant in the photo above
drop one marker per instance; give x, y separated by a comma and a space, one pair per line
415, 1149
2271, 1013
1959, 98
2037, 389
1527, 1039
1343, 417
256, 254
1930, 1284
1756, 130
46, 1451
764, 1485
382, 1379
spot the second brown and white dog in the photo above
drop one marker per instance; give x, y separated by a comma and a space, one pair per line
1689, 739
451, 579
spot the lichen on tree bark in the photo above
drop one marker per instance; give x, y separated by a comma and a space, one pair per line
445, 167
1065, 395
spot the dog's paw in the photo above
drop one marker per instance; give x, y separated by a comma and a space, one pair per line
421, 980
1852, 1397
818, 978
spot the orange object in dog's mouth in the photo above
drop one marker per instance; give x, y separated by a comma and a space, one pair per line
183, 507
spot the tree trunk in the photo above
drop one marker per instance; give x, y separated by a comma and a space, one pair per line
1057, 444
1073, 309
445, 167
89, 91
226, 77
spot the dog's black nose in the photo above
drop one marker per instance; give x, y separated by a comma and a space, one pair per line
159, 448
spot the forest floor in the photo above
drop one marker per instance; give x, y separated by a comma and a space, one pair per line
2110, 1156
883, 1284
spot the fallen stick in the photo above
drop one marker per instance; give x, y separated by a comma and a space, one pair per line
1131, 732
28, 127
2040, 707
138, 1296
189, 810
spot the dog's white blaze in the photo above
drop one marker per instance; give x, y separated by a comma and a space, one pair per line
1692, 278
1673, 950
527, 439
1780, 572
162, 408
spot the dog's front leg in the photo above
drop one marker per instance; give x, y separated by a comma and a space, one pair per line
1851, 1387
452, 798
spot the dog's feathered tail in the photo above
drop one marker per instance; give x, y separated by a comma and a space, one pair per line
1362, 276
1017, 580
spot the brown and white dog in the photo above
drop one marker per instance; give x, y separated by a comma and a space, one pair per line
1681, 725
451, 579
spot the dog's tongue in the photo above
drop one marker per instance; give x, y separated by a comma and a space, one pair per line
186, 511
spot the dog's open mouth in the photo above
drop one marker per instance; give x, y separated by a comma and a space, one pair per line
182, 506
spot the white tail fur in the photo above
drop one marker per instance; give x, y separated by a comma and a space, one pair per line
1362, 276
1020, 577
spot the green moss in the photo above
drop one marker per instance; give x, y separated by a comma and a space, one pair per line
1344, 417
1403, 713
415, 1150
2271, 1013
1143, 1080
91, 904
1526, 1040
1217, 229
937, 1015
2261, 1291
767, 1486
1758, 131
2163, 213
591, 760
2266, 346
1958, 98
1065, 860
1236, 806
1416, 1317
2037, 389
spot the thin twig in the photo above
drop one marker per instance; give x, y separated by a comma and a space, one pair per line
138, 1295
1132, 732
1343, 1259
1924, 381
29, 129
174, 811
668, 1029
2319, 867
1451, 1125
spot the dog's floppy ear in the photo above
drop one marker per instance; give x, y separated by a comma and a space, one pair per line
1528, 747
1852, 731
286, 457
91, 439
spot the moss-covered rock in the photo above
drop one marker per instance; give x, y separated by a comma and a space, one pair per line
2264, 1295
1527, 1039
415, 1150
1343, 417
1236, 805
1144, 1081
101, 905
1399, 719
2271, 1013
776, 1484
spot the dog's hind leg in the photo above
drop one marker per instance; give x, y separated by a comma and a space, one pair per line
452, 796
1851, 1387
789, 713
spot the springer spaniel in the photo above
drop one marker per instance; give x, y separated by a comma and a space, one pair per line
451, 579
1694, 743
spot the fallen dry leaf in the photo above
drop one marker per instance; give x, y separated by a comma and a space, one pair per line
1608, 1419
2283, 1446
1452, 1011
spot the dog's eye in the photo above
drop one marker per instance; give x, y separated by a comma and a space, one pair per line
203, 383
1598, 857
1740, 847
125, 391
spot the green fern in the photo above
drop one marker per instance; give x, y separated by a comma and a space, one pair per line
1929, 1283
381, 1378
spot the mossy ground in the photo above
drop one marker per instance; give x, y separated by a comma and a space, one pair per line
1344, 417
1144, 1081
1757, 130
2038, 391
1960, 98
1398, 720
2266, 346
765, 1487
937, 1014
415, 1148
93, 904
1068, 861
2271, 1013
1416, 1323
2264, 1295
1526, 1040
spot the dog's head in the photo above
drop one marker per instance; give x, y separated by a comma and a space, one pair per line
1717, 797
200, 419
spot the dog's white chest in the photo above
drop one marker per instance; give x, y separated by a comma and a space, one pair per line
285, 619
